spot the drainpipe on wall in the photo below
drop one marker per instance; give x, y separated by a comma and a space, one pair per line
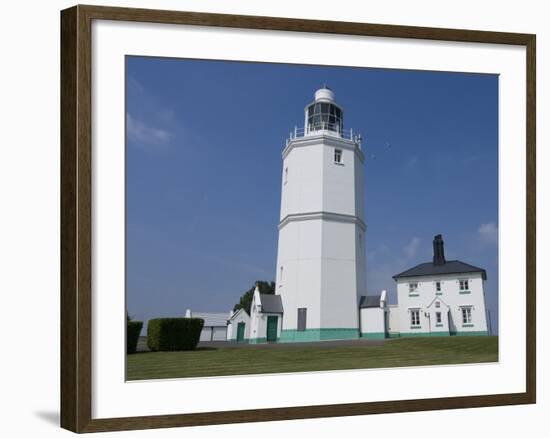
429, 316
384, 312
359, 322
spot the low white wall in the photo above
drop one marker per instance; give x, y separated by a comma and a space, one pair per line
393, 319
373, 324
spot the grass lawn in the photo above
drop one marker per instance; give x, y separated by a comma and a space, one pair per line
250, 360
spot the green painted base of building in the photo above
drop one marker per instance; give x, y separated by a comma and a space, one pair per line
325, 334
437, 334
423, 334
374, 336
312, 335
472, 333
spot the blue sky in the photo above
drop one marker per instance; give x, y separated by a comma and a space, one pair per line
203, 170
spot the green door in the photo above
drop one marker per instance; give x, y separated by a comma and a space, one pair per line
240, 331
272, 328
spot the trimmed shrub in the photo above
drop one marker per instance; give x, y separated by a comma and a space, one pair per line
133, 329
173, 334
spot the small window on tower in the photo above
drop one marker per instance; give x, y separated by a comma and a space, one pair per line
286, 175
338, 156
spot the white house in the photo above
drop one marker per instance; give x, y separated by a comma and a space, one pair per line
441, 298
321, 269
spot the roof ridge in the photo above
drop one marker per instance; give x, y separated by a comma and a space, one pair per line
450, 267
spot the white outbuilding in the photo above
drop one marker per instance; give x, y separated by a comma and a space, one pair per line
266, 318
238, 326
215, 325
373, 314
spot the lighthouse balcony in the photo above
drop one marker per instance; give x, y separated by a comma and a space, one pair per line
329, 129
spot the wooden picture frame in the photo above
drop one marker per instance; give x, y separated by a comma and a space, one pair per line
76, 217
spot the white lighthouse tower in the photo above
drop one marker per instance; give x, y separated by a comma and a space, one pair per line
320, 262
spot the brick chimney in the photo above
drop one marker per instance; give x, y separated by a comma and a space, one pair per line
439, 253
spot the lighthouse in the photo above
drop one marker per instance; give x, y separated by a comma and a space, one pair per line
321, 269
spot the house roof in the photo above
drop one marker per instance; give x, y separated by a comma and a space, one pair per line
238, 312
368, 301
271, 303
449, 267
212, 319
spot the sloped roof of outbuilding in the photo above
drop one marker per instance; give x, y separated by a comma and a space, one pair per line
368, 301
237, 313
212, 319
271, 303
450, 267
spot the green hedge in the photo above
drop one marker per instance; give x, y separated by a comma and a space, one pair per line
133, 329
173, 334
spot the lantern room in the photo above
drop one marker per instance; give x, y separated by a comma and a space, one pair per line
324, 114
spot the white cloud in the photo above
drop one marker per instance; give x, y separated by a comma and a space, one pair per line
381, 250
488, 232
144, 134
411, 248
166, 115
134, 85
